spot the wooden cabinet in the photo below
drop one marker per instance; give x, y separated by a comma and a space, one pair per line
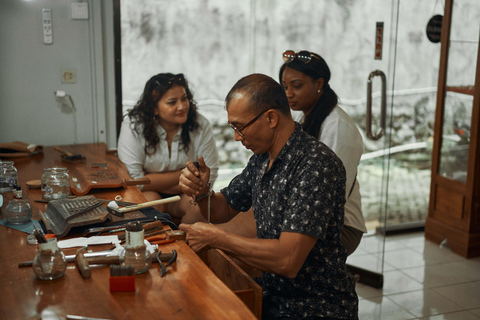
454, 209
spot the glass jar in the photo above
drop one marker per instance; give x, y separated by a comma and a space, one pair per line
136, 253
55, 183
8, 176
49, 262
18, 211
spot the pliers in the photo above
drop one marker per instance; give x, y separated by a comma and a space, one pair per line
163, 268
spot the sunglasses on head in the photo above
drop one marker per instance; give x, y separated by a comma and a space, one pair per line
303, 56
176, 79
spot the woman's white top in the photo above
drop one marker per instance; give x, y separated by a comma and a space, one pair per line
131, 150
339, 132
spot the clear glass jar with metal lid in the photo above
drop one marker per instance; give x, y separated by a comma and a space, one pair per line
8, 176
55, 183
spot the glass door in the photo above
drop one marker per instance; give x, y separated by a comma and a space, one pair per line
394, 172
367, 262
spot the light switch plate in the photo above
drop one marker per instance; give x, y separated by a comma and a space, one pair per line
80, 10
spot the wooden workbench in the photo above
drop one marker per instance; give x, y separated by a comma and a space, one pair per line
190, 290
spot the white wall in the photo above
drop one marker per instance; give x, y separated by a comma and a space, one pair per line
30, 73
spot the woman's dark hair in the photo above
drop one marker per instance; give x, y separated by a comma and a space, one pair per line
316, 68
143, 116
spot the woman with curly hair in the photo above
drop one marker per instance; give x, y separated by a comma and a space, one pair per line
160, 134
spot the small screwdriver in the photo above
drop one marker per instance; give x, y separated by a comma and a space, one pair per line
193, 197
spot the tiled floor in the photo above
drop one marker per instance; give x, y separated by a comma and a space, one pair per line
422, 280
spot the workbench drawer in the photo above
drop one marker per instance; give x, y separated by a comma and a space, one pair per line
235, 278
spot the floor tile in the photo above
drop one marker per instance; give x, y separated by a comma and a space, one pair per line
422, 280
371, 262
461, 315
365, 292
360, 250
397, 282
412, 240
466, 295
372, 244
440, 255
435, 275
404, 258
396, 242
382, 308
425, 302
469, 269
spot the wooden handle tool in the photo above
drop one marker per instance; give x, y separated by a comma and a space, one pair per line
68, 155
152, 225
121, 211
82, 264
176, 234
103, 260
149, 204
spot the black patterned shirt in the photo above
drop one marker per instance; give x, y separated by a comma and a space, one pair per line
304, 192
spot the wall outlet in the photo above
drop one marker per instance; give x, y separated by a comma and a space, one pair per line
69, 76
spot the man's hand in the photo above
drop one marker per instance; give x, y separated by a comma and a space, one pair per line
200, 236
193, 181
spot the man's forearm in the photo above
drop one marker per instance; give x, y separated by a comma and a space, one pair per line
220, 211
284, 256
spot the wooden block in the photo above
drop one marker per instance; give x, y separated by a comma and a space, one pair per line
122, 284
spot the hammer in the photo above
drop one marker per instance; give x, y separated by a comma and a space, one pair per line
115, 210
68, 155
82, 264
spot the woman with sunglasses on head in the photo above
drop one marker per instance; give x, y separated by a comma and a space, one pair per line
304, 77
160, 135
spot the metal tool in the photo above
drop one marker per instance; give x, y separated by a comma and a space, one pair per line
100, 257
117, 226
163, 268
96, 258
193, 201
35, 186
120, 212
63, 214
68, 155
121, 270
76, 211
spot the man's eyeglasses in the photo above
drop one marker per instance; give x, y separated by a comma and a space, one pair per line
176, 79
303, 56
239, 130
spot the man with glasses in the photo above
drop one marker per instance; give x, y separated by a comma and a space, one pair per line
296, 188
